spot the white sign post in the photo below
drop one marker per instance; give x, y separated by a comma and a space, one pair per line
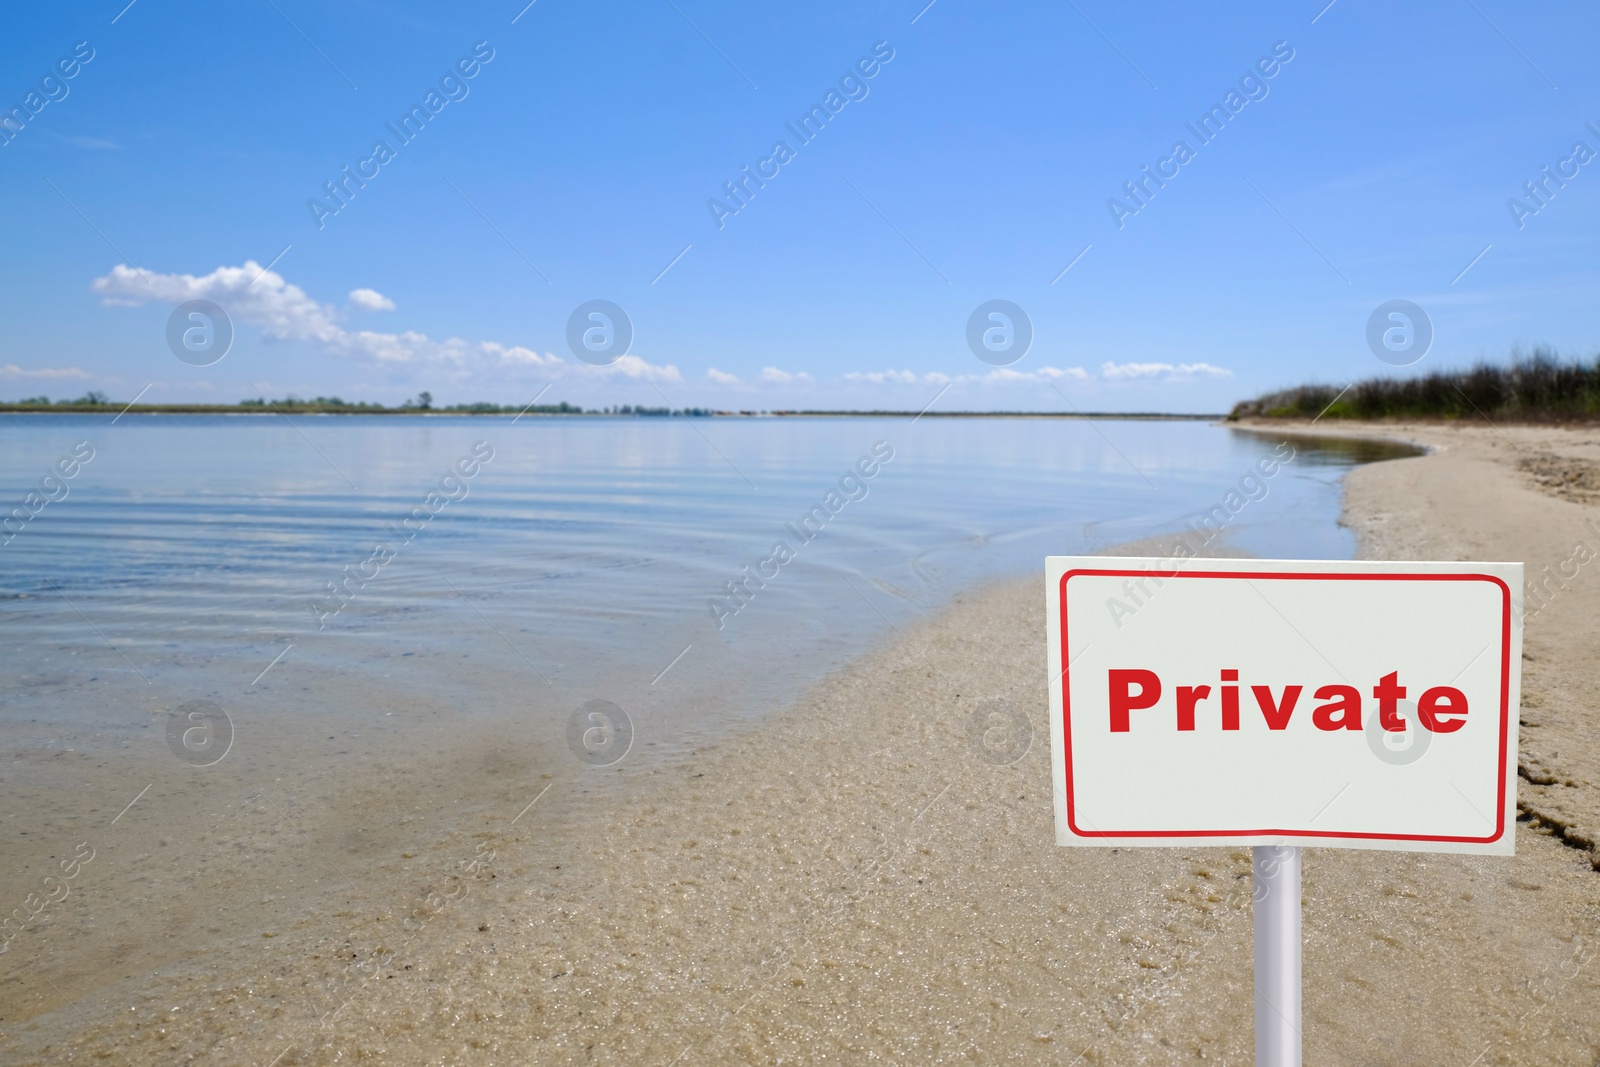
1279, 704
1275, 871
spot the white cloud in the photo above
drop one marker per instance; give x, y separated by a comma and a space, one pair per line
1007, 376
370, 300
514, 354
1163, 371
248, 294
722, 377
878, 377
998, 376
783, 377
11, 370
284, 312
634, 367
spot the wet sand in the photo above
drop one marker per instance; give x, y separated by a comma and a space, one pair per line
870, 875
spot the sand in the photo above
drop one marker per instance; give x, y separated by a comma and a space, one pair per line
871, 876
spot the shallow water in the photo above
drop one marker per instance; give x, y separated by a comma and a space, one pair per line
585, 555
190, 551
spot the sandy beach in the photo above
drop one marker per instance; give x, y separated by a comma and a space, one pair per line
870, 876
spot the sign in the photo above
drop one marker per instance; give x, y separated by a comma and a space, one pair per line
1284, 702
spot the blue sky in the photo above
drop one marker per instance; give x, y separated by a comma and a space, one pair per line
976, 164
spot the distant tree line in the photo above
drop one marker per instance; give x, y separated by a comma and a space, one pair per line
292, 401
91, 399
1536, 388
332, 404
630, 409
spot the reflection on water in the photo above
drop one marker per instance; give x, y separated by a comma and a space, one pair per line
1331, 450
704, 568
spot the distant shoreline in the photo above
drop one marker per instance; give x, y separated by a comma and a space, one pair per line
283, 409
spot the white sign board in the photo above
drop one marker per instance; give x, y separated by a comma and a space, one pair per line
1263, 702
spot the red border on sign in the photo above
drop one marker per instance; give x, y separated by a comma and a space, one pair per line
1505, 701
